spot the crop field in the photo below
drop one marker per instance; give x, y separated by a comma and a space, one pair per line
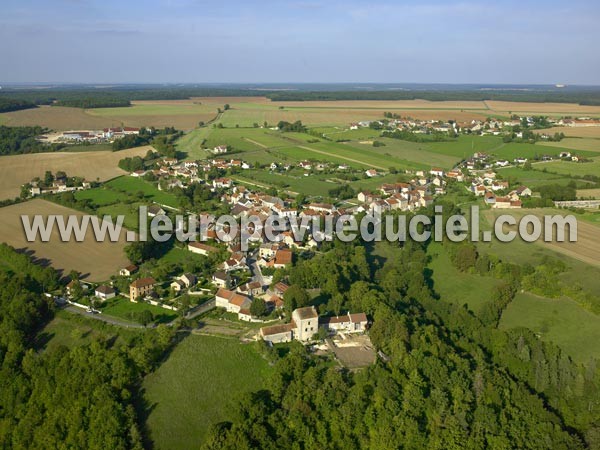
586, 144
581, 132
96, 261
413, 152
551, 109
16, 170
204, 375
588, 193
586, 249
57, 118
182, 114
561, 321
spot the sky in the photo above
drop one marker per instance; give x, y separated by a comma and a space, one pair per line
311, 41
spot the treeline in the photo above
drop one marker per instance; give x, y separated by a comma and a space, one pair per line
588, 97
94, 102
94, 98
20, 140
9, 104
69, 397
443, 379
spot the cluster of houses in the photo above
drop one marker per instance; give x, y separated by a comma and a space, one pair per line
490, 126
417, 193
57, 186
174, 173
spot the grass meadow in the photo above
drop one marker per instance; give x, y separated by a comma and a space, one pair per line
203, 376
560, 321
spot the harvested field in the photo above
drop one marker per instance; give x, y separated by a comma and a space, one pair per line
386, 104
181, 114
588, 193
582, 144
505, 108
57, 118
584, 132
94, 260
587, 247
16, 170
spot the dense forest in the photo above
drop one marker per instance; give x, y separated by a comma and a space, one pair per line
9, 104
446, 377
71, 397
87, 97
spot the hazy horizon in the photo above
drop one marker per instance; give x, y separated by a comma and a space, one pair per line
268, 42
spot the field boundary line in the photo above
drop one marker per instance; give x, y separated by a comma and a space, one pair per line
342, 157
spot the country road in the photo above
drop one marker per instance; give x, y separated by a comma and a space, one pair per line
103, 318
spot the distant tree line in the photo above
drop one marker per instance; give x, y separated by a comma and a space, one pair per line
9, 104
87, 97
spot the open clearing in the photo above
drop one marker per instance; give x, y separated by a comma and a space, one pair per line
570, 167
203, 376
16, 170
57, 118
561, 321
96, 261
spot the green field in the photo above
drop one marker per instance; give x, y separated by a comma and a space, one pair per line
203, 376
560, 321
68, 329
532, 178
133, 186
122, 308
458, 287
572, 168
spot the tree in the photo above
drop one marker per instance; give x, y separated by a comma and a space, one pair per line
295, 297
145, 317
258, 307
226, 106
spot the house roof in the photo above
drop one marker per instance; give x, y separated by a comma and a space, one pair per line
308, 312
131, 268
143, 282
201, 246
358, 317
277, 329
283, 256
103, 289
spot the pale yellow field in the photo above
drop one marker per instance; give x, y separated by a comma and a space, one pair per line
587, 247
16, 170
389, 104
57, 118
95, 261
592, 145
542, 108
584, 132
588, 193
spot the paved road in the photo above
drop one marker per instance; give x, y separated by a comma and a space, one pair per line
204, 307
103, 318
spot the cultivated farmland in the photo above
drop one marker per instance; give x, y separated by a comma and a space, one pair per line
17, 170
94, 260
